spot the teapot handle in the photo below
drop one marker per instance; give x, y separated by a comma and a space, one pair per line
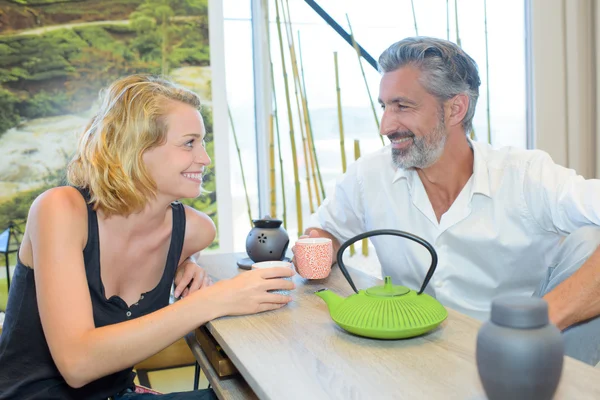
392, 232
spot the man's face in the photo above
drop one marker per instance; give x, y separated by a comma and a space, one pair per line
412, 119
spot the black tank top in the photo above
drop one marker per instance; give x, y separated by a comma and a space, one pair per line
27, 370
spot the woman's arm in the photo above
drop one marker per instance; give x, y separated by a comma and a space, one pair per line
83, 353
200, 232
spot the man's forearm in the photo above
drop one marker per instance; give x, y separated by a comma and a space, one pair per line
577, 298
323, 233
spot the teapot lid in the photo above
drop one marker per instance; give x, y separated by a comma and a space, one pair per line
267, 222
388, 289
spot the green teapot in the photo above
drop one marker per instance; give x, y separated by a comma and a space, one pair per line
389, 311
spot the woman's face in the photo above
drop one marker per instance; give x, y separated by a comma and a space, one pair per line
178, 164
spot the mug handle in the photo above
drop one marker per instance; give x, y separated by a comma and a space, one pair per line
391, 232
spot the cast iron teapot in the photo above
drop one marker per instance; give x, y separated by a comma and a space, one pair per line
389, 311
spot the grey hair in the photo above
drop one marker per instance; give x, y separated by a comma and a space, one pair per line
446, 69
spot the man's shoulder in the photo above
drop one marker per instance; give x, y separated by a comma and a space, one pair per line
507, 157
374, 164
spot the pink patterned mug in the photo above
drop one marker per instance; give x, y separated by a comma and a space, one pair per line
313, 257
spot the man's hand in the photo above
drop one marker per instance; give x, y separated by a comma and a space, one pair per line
319, 233
577, 298
190, 277
312, 234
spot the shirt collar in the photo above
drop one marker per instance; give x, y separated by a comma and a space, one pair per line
481, 180
401, 173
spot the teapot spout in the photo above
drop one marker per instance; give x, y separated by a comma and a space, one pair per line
330, 298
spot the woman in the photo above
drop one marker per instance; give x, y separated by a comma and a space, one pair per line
91, 287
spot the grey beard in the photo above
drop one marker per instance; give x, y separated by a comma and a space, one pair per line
424, 151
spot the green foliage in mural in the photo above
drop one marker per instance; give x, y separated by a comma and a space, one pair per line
59, 70
17, 16
40, 2
44, 104
17, 208
159, 32
9, 116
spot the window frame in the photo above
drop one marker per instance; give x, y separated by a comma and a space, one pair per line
263, 99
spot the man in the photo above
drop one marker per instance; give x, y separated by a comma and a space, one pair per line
503, 222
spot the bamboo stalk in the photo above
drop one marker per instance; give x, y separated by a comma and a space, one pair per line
341, 123
165, 40
272, 169
305, 148
487, 73
285, 9
339, 109
275, 117
365, 242
357, 49
307, 171
237, 147
314, 160
291, 123
281, 175
447, 21
456, 23
308, 126
272, 191
287, 21
412, 3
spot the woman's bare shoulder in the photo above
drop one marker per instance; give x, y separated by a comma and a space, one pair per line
63, 200
200, 231
58, 213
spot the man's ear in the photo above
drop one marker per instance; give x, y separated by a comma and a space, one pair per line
458, 107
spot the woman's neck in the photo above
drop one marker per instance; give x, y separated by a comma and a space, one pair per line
152, 217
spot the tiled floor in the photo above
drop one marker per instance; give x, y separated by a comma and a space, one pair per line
175, 380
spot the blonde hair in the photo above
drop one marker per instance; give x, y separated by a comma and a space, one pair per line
131, 120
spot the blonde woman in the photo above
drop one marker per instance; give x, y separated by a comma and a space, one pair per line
91, 288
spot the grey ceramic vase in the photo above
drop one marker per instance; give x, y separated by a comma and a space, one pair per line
267, 241
519, 353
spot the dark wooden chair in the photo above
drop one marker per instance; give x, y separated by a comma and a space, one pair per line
9, 244
176, 355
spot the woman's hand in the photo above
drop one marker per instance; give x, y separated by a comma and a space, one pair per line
189, 278
248, 293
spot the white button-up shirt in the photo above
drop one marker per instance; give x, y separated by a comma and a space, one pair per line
499, 236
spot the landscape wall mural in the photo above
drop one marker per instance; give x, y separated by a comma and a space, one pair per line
55, 55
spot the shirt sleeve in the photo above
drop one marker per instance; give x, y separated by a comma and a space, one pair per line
558, 199
342, 213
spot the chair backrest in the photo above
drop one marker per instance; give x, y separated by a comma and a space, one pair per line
9, 239
4, 241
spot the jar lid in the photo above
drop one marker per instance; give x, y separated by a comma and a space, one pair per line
520, 312
267, 222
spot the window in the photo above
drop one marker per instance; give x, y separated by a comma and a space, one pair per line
375, 27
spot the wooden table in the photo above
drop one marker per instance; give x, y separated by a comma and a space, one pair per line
298, 352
